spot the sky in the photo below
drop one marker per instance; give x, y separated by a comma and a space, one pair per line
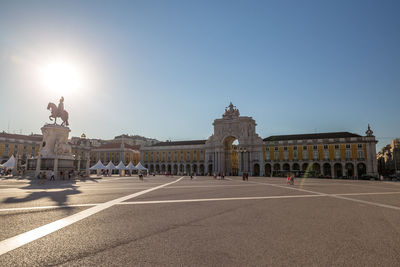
166, 69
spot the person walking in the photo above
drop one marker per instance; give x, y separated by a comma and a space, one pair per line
52, 178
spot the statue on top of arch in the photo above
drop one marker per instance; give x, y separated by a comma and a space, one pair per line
231, 112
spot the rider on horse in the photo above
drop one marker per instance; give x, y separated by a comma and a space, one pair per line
60, 108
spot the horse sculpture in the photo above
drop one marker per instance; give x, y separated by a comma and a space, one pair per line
55, 114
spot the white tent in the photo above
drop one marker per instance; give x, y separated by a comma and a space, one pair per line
130, 166
121, 166
10, 164
140, 167
98, 166
110, 166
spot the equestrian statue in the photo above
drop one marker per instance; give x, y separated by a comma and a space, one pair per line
58, 112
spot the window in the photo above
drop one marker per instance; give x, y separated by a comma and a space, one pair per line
276, 148
267, 156
326, 154
276, 155
347, 145
348, 154
336, 146
285, 148
305, 155
325, 146
295, 148
359, 145
285, 155
294, 154
360, 154
315, 155
315, 147
267, 149
337, 154
304, 147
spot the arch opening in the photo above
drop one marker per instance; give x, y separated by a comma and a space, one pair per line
231, 159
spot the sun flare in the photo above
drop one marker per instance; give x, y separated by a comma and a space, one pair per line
61, 77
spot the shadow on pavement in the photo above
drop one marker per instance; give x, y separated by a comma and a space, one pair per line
60, 197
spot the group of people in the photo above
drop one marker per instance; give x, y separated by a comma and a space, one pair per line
245, 176
42, 176
221, 175
290, 179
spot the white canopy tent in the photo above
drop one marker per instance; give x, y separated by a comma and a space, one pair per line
110, 166
140, 167
98, 166
10, 164
130, 166
120, 167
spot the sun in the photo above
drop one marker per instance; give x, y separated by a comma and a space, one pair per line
61, 77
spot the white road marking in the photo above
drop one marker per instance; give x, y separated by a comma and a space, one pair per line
201, 200
338, 196
27, 237
212, 199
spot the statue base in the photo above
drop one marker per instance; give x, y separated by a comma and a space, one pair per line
55, 154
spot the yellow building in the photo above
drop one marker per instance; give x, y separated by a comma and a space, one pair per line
21, 146
336, 154
115, 152
175, 157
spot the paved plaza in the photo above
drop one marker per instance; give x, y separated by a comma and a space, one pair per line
176, 221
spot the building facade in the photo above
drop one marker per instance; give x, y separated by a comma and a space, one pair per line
115, 152
389, 158
235, 148
21, 146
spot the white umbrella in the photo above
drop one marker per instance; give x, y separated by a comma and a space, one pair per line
10, 163
98, 166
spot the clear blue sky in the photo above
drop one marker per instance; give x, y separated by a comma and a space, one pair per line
167, 69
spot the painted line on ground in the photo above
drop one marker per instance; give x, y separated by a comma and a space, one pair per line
337, 196
12, 243
199, 200
212, 199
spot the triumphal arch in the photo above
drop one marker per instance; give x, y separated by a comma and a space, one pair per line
224, 157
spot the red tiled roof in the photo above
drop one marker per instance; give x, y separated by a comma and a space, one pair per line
310, 136
117, 145
181, 143
35, 138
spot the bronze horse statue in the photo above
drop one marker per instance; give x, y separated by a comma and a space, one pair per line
55, 114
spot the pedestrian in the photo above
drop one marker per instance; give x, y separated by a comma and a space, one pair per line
39, 176
244, 176
44, 177
247, 176
52, 176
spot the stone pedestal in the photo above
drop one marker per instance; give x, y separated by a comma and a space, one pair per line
55, 153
